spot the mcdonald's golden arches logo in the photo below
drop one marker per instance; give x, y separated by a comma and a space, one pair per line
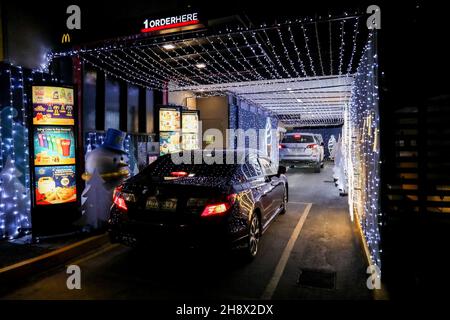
65, 38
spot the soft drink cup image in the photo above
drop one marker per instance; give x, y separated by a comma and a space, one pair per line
59, 146
49, 143
44, 138
65, 144
54, 148
41, 140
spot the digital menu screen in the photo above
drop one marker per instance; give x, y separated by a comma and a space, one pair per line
169, 142
55, 185
190, 130
190, 141
53, 145
190, 122
169, 119
52, 105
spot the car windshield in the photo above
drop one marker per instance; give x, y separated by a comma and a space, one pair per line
165, 167
298, 138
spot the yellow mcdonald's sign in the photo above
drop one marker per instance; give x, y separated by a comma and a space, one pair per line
65, 38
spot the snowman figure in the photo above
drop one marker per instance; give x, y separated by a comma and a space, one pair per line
110, 160
106, 168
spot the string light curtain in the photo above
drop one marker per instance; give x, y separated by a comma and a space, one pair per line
362, 150
15, 189
283, 53
15, 197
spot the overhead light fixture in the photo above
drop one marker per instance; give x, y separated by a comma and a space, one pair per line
289, 89
168, 46
200, 65
299, 100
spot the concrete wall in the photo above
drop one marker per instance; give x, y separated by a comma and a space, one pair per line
214, 114
183, 98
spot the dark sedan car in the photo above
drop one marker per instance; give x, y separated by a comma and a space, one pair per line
200, 204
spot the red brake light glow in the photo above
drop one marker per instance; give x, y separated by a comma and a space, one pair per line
281, 146
311, 146
119, 201
220, 208
215, 209
178, 174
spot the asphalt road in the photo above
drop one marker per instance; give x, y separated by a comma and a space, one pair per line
315, 238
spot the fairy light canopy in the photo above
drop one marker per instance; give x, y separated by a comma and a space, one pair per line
307, 101
299, 70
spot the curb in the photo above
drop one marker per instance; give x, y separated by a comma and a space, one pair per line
21, 271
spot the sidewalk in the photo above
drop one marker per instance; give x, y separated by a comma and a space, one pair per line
20, 260
17, 250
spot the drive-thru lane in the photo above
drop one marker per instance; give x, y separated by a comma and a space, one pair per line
315, 234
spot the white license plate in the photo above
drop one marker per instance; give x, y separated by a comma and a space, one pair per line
162, 205
297, 150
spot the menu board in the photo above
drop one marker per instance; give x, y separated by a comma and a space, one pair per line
52, 105
190, 130
190, 122
169, 119
190, 141
169, 142
55, 185
53, 145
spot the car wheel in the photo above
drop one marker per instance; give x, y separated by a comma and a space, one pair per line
285, 201
317, 168
254, 233
322, 165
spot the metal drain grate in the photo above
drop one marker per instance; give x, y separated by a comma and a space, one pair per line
317, 279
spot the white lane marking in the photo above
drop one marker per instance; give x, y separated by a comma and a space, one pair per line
279, 269
295, 202
105, 249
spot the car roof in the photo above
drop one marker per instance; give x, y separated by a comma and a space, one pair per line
247, 153
302, 133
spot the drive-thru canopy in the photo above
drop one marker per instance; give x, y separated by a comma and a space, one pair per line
306, 72
300, 70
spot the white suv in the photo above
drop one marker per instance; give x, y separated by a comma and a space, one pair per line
302, 149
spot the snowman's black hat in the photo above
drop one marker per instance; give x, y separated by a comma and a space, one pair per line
114, 140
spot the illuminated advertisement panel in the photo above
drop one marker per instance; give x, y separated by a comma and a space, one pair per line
55, 185
52, 105
190, 121
53, 146
169, 119
169, 142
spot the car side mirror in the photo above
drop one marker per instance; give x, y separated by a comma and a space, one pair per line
281, 170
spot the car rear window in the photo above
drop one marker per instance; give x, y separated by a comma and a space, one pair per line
163, 167
298, 138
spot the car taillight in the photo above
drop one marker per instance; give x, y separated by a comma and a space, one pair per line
217, 209
311, 146
117, 190
178, 174
281, 146
119, 200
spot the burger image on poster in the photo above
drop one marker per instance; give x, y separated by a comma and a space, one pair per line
106, 168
